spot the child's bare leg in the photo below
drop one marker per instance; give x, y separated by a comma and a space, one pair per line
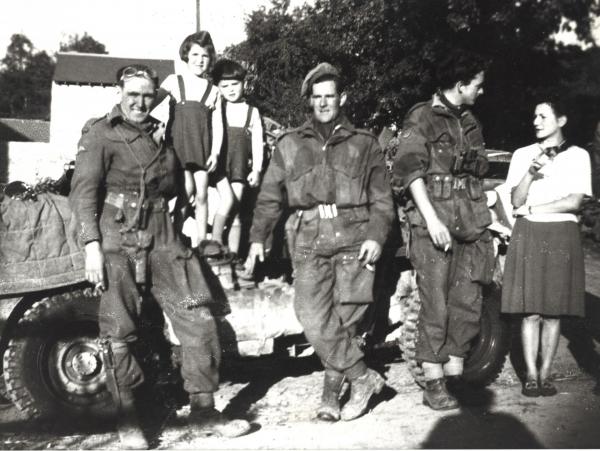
225, 206
190, 185
235, 233
201, 182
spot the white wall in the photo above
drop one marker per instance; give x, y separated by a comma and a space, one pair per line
29, 161
71, 107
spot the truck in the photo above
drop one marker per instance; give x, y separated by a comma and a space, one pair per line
52, 364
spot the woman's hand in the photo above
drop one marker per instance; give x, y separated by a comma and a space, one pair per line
254, 179
211, 163
94, 266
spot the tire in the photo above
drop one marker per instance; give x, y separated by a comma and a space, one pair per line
489, 349
52, 365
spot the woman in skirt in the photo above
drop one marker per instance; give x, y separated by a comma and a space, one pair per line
544, 274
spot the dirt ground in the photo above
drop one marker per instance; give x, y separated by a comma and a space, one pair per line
279, 397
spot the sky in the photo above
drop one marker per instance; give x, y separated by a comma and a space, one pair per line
128, 28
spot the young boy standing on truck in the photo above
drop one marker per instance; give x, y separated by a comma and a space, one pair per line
241, 156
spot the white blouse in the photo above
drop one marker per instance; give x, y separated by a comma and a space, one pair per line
569, 172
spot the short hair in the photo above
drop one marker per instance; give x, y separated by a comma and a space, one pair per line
201, 38
339, 83
227, 69
459, 65
557, 105
136, 70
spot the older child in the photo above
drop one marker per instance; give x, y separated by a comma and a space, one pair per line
197, 131
242, 152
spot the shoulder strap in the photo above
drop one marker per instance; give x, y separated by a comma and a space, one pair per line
206, 93
248, 117
181, 87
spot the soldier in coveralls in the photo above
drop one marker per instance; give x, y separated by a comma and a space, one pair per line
335, 178
124, 177
439, 165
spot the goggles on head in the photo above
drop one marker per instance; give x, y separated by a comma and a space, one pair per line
132, 71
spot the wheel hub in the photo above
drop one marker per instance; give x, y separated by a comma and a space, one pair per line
79, 366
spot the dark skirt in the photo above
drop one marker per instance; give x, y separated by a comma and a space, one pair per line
191, 134
544, 272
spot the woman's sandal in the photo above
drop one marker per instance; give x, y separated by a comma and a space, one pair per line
531, 388
547, 388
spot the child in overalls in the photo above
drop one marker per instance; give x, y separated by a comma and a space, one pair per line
242, 152
197, 132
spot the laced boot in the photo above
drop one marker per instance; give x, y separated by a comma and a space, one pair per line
361, 390
437, 397
329, 410
212, 422
128, 424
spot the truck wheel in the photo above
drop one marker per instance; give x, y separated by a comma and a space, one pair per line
53, 366
490, 347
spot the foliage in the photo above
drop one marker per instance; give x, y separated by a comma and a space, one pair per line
26, 75
25, 80
82, 44
388, 49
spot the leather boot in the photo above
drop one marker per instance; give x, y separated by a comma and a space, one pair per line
128, 424
437, 397
329, 410
361, 390
212, 422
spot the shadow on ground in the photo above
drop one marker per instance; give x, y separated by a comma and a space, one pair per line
475, 426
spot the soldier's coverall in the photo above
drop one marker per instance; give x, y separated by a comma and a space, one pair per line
447, 151
118, 167
332, 288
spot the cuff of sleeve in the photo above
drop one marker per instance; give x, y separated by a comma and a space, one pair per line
408, 179
378, 231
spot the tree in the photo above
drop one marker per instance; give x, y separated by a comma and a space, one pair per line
82, 44
25, 80
388, 50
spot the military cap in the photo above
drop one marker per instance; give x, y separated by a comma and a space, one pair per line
315, 73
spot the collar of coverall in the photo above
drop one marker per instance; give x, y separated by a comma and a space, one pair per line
440, 102
116, 117
344, 127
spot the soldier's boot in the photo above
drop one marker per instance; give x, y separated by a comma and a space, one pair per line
437, 397
361, 390
212, 422
329, 409
128, 424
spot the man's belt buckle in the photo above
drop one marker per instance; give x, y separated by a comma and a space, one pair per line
328, 211
459, 183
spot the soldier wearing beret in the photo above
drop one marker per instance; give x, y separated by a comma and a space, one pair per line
124, 176
439, 165
333, 175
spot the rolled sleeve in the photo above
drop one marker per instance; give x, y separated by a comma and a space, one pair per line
87, 180
381, 204
269, 203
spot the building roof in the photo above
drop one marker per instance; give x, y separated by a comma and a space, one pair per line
24, 130
95, 69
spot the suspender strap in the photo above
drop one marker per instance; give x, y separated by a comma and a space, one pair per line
181, 87
206, 93
248, 117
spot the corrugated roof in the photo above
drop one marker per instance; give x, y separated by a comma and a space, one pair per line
24, 130
94, 69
